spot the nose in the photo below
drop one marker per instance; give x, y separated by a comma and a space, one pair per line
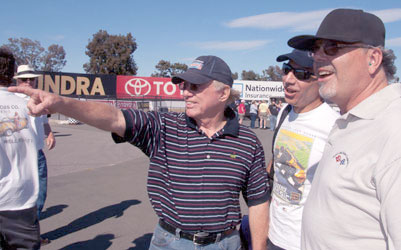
186, 93
289, 78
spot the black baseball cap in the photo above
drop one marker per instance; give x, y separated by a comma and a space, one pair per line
300, 57
345, 25
205, 69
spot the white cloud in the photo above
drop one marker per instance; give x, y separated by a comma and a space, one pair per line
297, 21
393, 42
231, 45
57, 38
300, 21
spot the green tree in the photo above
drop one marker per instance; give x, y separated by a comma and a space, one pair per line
249, 75
31, 52
272, 73
111, 54
166, 69
54, 58
234, 75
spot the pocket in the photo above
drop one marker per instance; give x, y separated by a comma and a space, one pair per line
162, 238
232, 242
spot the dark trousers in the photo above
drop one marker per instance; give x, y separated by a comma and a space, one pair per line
19, 230
253, 119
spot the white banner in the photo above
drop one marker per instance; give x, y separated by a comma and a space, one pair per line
259, 90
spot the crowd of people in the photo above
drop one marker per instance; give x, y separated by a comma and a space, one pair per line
259, 110
334, 176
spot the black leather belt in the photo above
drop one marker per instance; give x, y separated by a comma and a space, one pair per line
200, 238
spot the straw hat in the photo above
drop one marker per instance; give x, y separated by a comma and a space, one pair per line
25, 71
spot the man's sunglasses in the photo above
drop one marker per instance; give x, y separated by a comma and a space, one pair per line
26, 79
189, 86
331, 48
300, 74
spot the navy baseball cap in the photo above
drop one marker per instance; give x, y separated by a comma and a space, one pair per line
205, 69
300, 57
345, 25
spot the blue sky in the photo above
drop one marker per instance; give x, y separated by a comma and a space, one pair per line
248, 35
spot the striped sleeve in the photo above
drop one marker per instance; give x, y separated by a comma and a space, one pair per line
143, 130
257, 189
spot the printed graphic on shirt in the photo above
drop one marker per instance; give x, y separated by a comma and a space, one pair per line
292, 152
341, 159
10, 121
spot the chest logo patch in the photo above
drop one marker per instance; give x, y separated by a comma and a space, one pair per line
341, 159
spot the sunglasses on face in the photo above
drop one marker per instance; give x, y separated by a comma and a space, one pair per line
26, 79
331, 48
189, 86
300, 74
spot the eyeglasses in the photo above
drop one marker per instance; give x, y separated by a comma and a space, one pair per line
300, 74
189, 86
331, 48
26, 79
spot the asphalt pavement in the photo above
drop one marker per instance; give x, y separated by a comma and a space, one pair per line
97, 196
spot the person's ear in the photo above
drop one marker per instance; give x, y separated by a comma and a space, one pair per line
375, 57
225, 93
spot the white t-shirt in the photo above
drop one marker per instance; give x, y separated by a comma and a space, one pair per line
39, 124
18, 154
297, 151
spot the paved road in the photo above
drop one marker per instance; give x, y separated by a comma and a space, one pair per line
97, 191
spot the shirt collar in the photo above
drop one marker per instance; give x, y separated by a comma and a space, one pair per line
231, 127
376, 103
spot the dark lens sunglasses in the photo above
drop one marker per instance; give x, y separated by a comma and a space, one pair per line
331, 48
300, 74
190, 86
26, 79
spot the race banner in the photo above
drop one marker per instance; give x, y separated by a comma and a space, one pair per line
259, 90
136, 87
73, 84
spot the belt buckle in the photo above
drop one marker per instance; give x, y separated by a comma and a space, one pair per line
199, 235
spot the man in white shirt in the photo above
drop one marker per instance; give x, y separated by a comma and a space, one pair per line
355, 198
26, 77
298, 148
19, 227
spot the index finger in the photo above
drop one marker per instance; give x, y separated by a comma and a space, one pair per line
23, 90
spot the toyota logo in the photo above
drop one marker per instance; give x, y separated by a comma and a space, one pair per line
138, 86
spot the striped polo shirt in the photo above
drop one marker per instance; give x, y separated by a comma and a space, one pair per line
194, 182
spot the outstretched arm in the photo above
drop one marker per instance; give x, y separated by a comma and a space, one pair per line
99, 115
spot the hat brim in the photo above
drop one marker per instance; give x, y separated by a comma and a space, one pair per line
297, 58
26, 76
306, 42
192, 77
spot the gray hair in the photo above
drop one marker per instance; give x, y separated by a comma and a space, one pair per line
234, 94
388, 63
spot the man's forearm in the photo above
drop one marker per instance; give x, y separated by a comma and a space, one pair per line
47, 129
259, 225
100, 115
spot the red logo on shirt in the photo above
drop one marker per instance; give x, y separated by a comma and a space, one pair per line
341, 159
